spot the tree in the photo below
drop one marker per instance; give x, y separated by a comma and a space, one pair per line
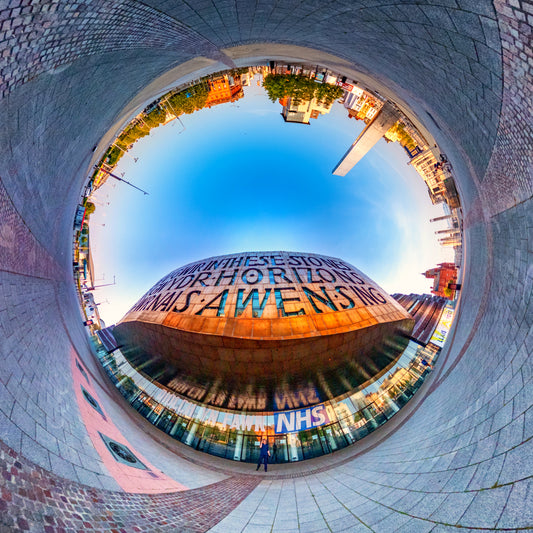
299, 88
327, 93
89, 209
156, 117
274, 87
403, 137
189, 100
112, 156
132, 133
186, 101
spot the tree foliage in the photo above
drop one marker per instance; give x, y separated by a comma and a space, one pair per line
299, 88
155, 117
89, 209
327, 93
135, 131
138, 128
403, 137
112, 156
188, 101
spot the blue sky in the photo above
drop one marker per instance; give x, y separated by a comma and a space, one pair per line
239, 178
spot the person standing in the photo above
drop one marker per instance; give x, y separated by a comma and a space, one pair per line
263, 454
274, 453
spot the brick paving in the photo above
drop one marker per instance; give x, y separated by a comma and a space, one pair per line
30, 42
509, 180
462, 459
33, 499
20, 251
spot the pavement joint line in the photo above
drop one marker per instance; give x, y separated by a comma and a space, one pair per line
314, 498
342, 504
444, 523
498, 485
277, 506
258, 504
517, 204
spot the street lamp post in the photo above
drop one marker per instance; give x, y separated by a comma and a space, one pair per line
176, 115
104, 285
120, 179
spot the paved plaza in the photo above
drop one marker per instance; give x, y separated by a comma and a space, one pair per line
458, 457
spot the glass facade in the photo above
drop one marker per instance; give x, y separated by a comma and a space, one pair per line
293, 435
264, 331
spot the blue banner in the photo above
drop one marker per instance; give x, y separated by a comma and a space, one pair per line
291, 421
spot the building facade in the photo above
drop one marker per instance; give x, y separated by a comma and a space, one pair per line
223, 89
444, 276
302, 111
373, 132
245, 329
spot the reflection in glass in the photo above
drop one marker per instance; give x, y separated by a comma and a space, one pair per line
236, 435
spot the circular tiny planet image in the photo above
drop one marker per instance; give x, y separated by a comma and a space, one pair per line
272, 251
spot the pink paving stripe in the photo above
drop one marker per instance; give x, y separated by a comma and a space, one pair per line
130, 479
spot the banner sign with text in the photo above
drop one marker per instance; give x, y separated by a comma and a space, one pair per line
443, 327
291, 421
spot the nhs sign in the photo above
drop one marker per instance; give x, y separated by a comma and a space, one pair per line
291, 421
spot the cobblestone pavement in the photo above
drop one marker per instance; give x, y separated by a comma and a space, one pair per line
72, 73
34, 499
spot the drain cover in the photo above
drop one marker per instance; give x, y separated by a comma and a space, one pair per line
92, 402
82, 370
122, 453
